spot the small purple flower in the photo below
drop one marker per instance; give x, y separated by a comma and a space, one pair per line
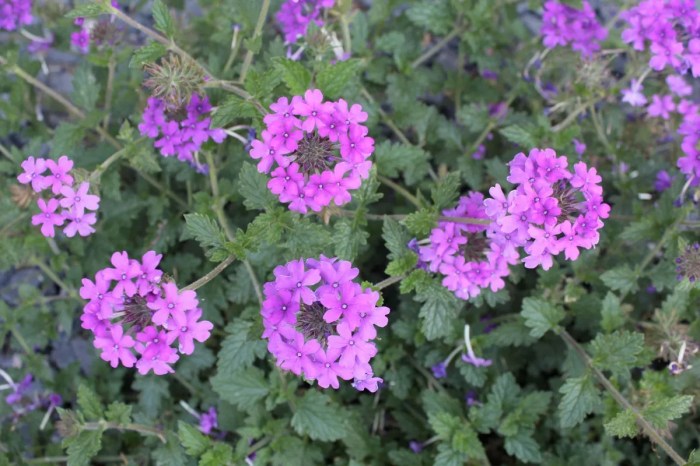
471, 398
19, 390
208, 421
579, 146
470, 357
416, 447
48, 218
439, 370
633, 95
81, 40
59, 173
663, 181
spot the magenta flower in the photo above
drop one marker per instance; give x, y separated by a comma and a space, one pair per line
81, 40
15, 13
268, 153
116, 346
633, 95
310, 332
59, 173
99, 295
149, 275
678, 86
48, 218
173, 304
563, 25
33, 169
186, 328
123, 272
208, 421
160, 362
79, 200
661, 106
80, 224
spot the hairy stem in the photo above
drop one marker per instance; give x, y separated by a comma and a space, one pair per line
436, 48
140, 428
248, 59
212, 274
386, 118
388, 282
55, 278
621, 400
400, 190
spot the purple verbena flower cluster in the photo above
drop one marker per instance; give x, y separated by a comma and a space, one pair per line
294, 16
320, 323
27, 396
15, 13
563, 25
551, 210
465, 254
75, 201
672, 30
185, 137
81, 39
321, 150
131, 311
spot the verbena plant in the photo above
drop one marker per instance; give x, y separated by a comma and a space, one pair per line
333, 232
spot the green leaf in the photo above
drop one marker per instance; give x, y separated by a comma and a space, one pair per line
82, 447
622, 279
152, 389
349, 239
617, 352
660, 412
518, 135
240, 348
90, 10
261, 84
194, 442
232, 109
523, 447
89, 404
432, 15
144, 160
447, 191
252, 185
149, 53
334, 78
540, 316
395, 237
85, 87
393, 159
439, 311
242, 388
163, 21
205, 231
119, 412
221, 453
624, 424
170, 453
319, 418
580, 398
295, 76
66, 138
421, 222
612, 317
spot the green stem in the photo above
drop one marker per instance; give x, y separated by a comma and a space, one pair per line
388, 282
621, 400
64, 459
55, 278
465, 220
21, 217
436, 48
22, 342
111, 67
400, 190
212, 274
248, 60
385, 117
140, 428
4, 151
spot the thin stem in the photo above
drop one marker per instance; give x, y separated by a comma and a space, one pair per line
436, 48
248, 60
147, 430
22, 342
570, 117
465, 220
64, 459
388, 282
21, 217
52, 275
400, 190
235, 45
111, 67
621, 400
4, 151
212, 274
110, 160
386, 118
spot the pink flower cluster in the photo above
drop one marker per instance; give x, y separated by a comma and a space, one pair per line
81, 39
185, 137
551, 210
563, 25
136, 318
74, 200
321, 324
15, 13
672, 30
321, 150
469, 256
294, 16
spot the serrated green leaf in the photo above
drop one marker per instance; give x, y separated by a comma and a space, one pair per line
622, 279
660, 412
252, 185
421, 222
438, 312
66, 138
152, 389
242, 388
206, 231
617, 352
393, 159
611, 312
334, 78
240, 348
170, 453
349, 239
163, 21
89, 404
540, 316
86, 90
232, 109
523, 447
319, 418
580, 398
90, 10
624, 424
221, 453
518, 135
446, 191
149, 53
118, 412
295, 76
83, 447
432, 15
193, 441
